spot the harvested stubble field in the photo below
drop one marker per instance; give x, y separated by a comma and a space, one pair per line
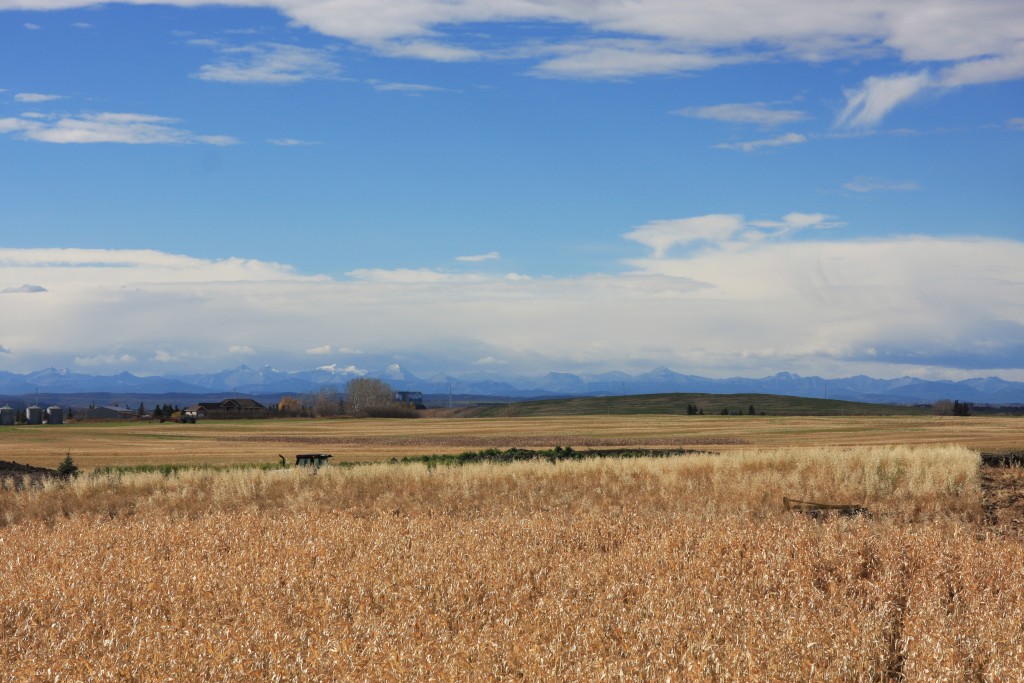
646, 569
94, 445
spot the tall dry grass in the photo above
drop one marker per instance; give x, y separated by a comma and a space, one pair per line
679, 569
906, 483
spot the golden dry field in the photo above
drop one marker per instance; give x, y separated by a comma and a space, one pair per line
683, 568
95, 445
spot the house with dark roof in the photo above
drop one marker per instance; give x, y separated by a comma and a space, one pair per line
229, 408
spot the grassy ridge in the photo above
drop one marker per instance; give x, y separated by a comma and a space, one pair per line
711, 404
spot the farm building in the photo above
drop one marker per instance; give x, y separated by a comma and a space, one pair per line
34, 415
6, 416
227, 409
412, 399
55, 415
110, 413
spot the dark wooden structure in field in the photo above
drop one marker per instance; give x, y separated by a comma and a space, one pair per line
312, 459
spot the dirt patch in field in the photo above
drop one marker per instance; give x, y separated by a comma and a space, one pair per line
12, 473
1002, 489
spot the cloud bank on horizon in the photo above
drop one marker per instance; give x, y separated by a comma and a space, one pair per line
748, 296
504, 186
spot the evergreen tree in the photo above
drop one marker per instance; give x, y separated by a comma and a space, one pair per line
67, 467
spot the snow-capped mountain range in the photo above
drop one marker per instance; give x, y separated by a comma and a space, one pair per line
268, 380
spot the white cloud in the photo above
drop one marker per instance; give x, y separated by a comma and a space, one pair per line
868, 105
722, 229
621, 58
1004, 67
1016, 123
747, 305
879, 95
411, 275
82, 24
664, 234
32, 27
349, 351
269, 63
967, 42
754, 145
243, 350
476, 258
869, 184
793, 222
36, 97
319, 350
421, 49
756, 112
4, 350
132, 129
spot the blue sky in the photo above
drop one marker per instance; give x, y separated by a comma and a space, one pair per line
514, 187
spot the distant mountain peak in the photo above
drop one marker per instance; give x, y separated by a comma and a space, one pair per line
269, 380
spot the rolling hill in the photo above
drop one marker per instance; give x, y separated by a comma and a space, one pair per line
710, 404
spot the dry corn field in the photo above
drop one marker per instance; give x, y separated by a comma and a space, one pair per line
679, 569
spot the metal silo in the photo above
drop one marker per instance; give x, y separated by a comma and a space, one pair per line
34, 415
6, 416
55, 415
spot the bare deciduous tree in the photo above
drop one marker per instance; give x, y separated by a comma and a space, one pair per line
365, 394
327, 402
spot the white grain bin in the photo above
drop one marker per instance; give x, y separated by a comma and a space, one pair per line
34, 415
55, 415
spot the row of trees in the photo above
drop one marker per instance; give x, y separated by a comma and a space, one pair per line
955, 408
364, 397
692, 409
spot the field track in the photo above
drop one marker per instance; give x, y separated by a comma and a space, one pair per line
95, 445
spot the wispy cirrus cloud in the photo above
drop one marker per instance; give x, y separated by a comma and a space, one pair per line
476, 258
866, 184
106, 127
33, 97
755, 145
877, 96
407, 88
757, 113
292, 142
274, 63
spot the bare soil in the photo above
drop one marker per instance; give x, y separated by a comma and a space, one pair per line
16, 473
1002, 489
